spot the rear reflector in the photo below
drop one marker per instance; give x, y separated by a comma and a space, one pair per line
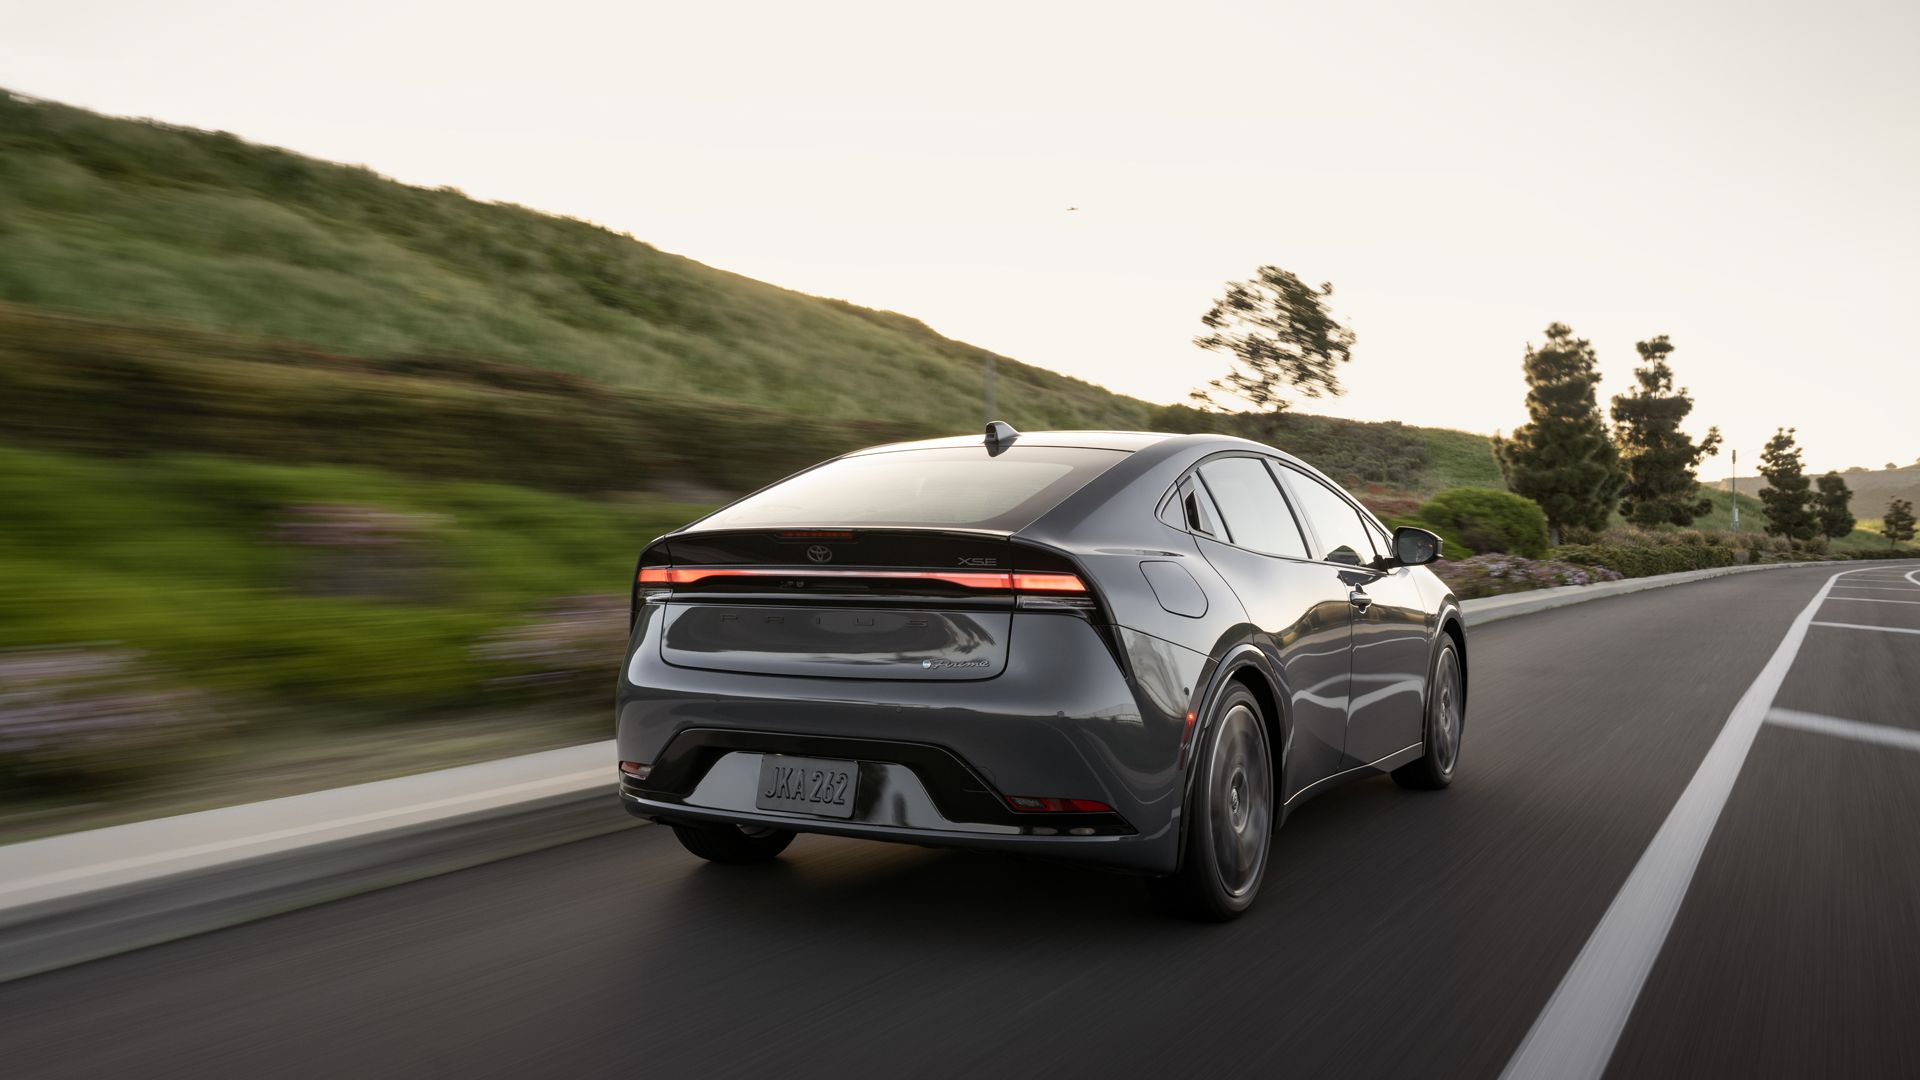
1028, 804
635, 770
1019, 582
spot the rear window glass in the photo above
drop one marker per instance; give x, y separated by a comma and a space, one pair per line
959, 487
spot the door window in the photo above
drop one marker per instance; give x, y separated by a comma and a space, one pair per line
1344, 536
1256, 513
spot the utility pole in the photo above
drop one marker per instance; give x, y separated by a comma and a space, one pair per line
1733, 485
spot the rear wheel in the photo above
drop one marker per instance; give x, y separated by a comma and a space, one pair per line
1446, 713
735, 844
1229, 825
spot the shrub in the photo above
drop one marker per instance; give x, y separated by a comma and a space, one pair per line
1493, 575
1646, 560
1489, 520
571, 647
78, 714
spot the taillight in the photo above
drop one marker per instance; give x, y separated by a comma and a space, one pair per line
1025, 583
1048, 583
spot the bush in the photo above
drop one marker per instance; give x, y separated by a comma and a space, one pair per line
1646, 560
1493, 575
1489, 520
78, 714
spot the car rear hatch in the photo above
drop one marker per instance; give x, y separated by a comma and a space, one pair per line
868, 603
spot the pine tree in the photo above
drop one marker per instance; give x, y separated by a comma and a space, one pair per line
1786, 497
1830, 506
1561, 457
1658, 459
1897, 526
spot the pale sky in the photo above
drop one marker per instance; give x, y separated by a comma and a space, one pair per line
1741, 176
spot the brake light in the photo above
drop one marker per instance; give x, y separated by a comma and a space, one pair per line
668, 576
1048, 583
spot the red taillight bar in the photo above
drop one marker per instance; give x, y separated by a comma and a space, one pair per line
1060, 583
1019, 582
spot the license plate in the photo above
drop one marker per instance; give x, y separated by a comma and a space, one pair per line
807, 785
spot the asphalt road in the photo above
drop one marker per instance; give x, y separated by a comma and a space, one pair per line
1404, 934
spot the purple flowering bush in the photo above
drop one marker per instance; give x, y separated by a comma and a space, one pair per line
88, 713
1492, 575
572, 646
361, 551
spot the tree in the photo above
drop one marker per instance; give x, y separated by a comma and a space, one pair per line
1281, 336
1786, 497
1891, 466
1830, 506
1898, 524
1658, 459
1561, 457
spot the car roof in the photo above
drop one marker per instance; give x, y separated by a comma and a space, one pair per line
1095, 440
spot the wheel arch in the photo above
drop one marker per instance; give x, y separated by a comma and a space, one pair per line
1247, 666
1452, 626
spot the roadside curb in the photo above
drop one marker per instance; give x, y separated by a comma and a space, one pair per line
1488, 609
68, 899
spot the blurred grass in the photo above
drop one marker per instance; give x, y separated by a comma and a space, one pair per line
175, 556
120, 218
269, 293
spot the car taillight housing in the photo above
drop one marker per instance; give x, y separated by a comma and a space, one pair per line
664, 578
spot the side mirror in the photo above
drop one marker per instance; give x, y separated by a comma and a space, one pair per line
1414, 547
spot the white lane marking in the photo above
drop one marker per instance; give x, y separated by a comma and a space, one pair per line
1574, 1036
1864, 626
1879, 588
1872, 600
554, 784
1882, 734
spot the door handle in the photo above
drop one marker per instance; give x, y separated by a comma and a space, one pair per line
1360, 600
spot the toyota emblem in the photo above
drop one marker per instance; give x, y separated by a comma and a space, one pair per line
820, 553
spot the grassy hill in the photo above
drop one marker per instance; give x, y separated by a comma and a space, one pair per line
123, 218
202, 243
1872, 488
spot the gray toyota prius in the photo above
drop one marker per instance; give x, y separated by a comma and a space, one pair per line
1130, 649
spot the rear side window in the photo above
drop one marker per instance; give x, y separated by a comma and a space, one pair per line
1342, 531
1256, 514
958, 487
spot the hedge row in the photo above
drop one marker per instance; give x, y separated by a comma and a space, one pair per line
1646, 561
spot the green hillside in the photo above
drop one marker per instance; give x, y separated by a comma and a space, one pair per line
1872, 488
245, 251
121, 218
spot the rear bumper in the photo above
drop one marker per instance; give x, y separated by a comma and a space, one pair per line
937, 758
1121, 852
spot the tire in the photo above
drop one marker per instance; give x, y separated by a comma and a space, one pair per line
735, 845
1229, 820
1446, 719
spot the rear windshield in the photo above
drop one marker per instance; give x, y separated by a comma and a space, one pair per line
958, 487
